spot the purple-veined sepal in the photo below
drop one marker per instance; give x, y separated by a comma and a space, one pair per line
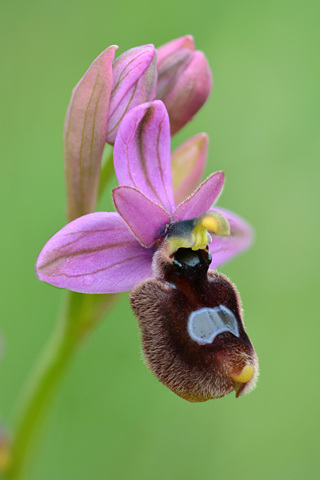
95, 253
142, 153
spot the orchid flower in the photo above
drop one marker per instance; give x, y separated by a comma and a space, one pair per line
190, 319
108, 252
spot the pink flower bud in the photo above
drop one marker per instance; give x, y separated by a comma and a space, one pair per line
85, 130
167, 49
184, 80
134, 82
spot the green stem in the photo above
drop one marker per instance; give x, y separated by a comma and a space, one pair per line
80, 314
107, 169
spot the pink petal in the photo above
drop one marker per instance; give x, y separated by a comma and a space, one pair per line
225, 248
145, 219
85, 132
187, 163
202, 199
142, 153
95, 253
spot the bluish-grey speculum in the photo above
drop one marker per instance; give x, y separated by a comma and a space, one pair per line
205, 324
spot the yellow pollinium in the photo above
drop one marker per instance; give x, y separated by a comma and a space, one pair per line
194, 234
213, 221
245, 375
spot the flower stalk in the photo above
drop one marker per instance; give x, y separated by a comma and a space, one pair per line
79, 315
107, 169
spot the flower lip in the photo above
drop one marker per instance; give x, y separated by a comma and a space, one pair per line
244, 378
191, 263
245, 375
192, 330
206, 323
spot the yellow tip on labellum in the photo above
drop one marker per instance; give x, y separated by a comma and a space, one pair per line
245, 375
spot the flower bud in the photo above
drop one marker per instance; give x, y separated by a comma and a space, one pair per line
85, 132
192, 331
184, 80
187, 164
134, 82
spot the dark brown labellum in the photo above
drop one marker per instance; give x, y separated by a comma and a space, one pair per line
193, 336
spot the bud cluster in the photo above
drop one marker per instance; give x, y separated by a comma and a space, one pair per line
176, 73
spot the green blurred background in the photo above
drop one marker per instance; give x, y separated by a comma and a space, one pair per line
111, 419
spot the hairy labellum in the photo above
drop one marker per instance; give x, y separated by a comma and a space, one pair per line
193, 336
